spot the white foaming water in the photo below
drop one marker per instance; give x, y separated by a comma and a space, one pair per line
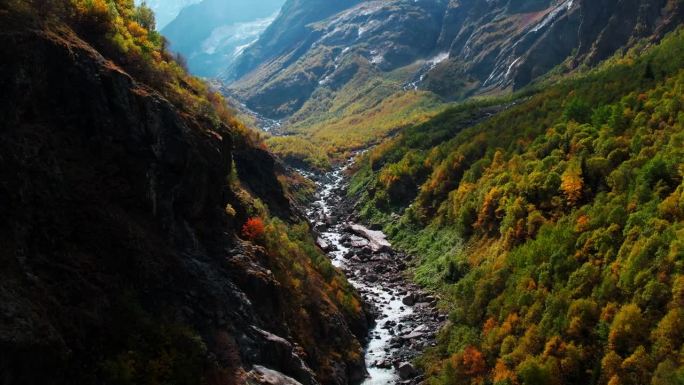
393, 310
429, 65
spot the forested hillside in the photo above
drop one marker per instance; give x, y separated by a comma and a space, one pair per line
554, 231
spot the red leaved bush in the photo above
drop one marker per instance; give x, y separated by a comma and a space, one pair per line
253, 229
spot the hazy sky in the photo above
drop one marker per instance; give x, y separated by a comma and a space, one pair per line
166, 10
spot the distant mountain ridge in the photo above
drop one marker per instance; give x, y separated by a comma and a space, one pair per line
452, 48
211, 33
287, 33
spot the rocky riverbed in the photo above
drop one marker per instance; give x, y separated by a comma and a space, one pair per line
406, 319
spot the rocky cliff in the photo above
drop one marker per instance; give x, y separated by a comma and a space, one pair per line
121, 255
452, 48
502, 44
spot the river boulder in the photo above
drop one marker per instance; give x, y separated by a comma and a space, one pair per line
406, 371
409, 300
377, 241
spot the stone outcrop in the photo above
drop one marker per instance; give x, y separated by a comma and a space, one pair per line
260, 375
377, 241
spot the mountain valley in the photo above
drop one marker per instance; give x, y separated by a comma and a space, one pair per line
342, 192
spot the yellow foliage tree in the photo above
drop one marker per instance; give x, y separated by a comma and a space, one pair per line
610, 364
487, 219
628, 329
572, 184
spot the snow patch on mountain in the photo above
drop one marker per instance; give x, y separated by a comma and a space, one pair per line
235, 37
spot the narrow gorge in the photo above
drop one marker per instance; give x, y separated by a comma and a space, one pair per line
405, 316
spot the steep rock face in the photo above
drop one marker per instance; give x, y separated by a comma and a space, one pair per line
256, 167
116, 245
455, 49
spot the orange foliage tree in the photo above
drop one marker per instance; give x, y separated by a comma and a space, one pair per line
489, 215
473, 362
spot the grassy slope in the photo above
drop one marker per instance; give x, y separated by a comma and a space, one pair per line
553, 230
366, 110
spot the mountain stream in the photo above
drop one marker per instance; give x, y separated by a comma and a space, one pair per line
406, 319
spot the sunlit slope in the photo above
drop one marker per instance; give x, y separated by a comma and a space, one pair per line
554, 230
364, 112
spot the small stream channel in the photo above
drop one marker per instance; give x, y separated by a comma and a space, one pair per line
406, 318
